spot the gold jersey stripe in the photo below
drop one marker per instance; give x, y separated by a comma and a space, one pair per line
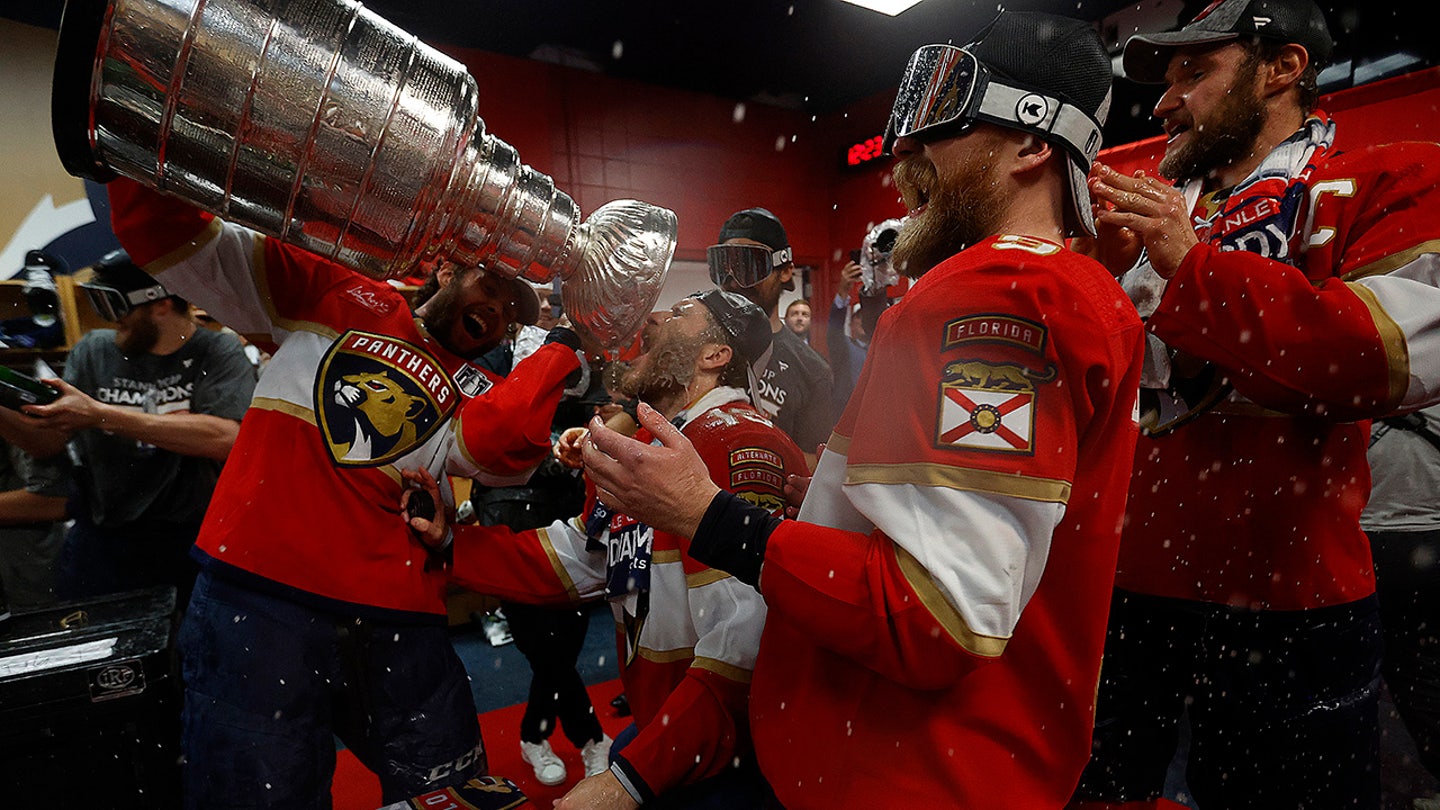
944, 612
190, 248
284, 406
838, 443
1392, 337
1028, 487
555, 563
723, 669
1393, 262
665, 555
702, 578
665, 656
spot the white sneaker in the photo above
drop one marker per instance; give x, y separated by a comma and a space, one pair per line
549, 770
596, 756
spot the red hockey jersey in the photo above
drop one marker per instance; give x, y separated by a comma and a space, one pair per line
937, 614
1256, 503
309, 500
688, 641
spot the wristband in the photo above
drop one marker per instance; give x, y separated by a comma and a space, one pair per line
732, 537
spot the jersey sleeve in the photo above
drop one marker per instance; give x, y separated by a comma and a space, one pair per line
1362, 340
536, 566
702, 725
260, 287
504, 433
929, 521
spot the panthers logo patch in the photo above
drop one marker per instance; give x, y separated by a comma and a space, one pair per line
377, 398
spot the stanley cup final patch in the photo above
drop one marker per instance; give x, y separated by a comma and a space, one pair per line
985, 406
377, 398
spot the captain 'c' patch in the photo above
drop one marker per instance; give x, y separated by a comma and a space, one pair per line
377, 398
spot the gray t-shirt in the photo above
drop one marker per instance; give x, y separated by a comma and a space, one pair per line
795, 391
123, 481
30, 552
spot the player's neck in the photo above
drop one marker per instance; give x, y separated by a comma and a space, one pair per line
174, 335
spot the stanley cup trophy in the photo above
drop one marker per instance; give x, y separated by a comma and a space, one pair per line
323, 125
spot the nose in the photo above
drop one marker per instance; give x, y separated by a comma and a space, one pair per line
1168, 103
906, 146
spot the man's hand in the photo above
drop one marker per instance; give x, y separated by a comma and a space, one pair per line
667, 487
599, 792
429, 531
569, 448
73, 412
1151, 209
797, 486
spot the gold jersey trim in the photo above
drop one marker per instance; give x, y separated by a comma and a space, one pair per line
284, 406
700, 579
1027, 487
838, 443
557, 565
945, 613
188, 249
1393, 262
665, 555
665, 656
1392, 337
724, 669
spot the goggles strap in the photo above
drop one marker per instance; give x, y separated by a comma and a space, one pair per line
1012, 106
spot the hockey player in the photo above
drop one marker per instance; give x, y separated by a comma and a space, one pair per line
937, 613
1289, 280
315, 614
689, 632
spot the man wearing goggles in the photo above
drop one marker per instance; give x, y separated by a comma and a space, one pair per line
754, 259
937, 612
152, 408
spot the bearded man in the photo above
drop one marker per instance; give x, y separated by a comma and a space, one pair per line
937, 612
152, 409
688, 633
1290, 289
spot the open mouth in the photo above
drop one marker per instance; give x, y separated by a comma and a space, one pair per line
915, 199
1171, 133
475, 326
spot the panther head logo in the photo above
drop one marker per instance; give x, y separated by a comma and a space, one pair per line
378, 398
384, 405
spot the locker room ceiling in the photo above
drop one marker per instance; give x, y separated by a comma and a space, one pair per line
820, 56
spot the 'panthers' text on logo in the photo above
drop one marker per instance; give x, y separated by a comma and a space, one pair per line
377, 398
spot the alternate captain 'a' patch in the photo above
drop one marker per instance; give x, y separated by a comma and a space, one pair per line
985, 406
377, 398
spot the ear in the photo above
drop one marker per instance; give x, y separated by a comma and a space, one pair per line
786, 272
715, 356
1284, 71
1032, 151
445, 273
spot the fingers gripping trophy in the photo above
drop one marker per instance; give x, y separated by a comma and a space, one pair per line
321, 124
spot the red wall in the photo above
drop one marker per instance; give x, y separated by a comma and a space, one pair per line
705, 157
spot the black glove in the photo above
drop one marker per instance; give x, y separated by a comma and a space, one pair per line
732, 537
568, 337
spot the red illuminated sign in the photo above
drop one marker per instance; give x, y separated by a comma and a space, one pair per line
865, 151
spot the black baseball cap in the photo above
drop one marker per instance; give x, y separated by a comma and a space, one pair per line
746, 325
1298, 21
760, 225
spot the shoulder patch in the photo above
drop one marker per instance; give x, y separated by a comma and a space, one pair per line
988, 406
377, 398
995, 328
756, 466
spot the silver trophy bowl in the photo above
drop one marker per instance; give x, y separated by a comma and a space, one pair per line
321, 124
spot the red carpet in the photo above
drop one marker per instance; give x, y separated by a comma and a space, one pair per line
356, 788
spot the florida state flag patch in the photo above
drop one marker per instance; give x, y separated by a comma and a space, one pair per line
988, 407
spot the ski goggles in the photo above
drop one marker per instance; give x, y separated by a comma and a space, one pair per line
746, 265
113, 305
945, 90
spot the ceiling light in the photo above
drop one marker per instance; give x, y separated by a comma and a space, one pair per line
891, 7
